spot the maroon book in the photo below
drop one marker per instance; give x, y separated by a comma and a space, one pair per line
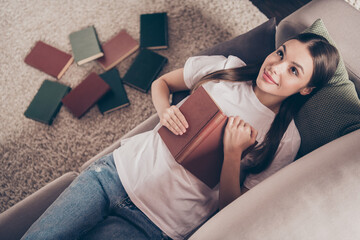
85, 95
117, 49
49, 59
200, 148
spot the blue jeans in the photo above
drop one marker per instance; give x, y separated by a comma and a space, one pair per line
94, 206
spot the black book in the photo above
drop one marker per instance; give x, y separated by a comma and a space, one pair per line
144, 70
154, 31
116, 98
47, 102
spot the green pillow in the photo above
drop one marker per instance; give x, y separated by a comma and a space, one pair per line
333, 111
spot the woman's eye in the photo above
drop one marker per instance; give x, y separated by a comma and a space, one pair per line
280, 53
294, 71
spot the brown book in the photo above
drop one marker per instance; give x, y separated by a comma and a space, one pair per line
117, 49
49, 59
85, 95
200, 148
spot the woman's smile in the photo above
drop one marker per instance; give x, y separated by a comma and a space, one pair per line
267, 77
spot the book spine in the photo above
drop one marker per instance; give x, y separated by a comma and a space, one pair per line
111, 110
89, 59
136, 87
204, 133
106, 68
71, 60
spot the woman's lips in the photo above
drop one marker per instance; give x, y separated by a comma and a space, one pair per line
268, 78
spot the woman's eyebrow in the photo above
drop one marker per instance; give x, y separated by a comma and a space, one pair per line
295, 63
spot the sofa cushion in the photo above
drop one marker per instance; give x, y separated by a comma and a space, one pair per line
333, 111
252, 47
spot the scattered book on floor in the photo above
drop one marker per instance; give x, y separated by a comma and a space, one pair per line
49, 59
144, 70
85, 95
47, 102
116, 98
154, 31
117, 49
85, 45
200, 148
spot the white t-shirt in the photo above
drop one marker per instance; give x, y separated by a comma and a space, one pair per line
174, 199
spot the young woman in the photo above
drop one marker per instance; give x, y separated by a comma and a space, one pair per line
140, 192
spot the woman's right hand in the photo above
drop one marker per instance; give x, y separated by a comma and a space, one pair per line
174, 120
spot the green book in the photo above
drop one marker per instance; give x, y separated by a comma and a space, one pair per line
85, 45
116, 98
154, 31
47, 102
144, 70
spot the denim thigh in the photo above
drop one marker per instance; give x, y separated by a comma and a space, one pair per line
93, 203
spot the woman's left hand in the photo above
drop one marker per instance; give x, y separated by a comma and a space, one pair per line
238, 136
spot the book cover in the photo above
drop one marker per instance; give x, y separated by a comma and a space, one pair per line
47, 102
117, 49
49, 59
144, 70
116, 98
200, 148
86, 94
85, 45
154, 31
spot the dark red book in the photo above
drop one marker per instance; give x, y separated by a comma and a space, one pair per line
85, 95
49, 59
117, 49
200, 148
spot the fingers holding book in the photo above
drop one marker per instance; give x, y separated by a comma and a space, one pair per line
174, 120
238, 136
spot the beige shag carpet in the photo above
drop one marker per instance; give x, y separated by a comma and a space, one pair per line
33, 154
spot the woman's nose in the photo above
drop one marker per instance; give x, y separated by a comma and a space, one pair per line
278, 67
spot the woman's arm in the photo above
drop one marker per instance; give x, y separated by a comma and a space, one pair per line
161, 88
238, 137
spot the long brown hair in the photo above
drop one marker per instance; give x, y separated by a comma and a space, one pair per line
325, 58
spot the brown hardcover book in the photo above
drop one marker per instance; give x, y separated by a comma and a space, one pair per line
49, 59
200, 148
85, 95
117, 49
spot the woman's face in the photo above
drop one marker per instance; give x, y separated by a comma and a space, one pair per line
286, 71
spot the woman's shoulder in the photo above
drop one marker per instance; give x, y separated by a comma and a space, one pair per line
220, 61
199, 66
234, 61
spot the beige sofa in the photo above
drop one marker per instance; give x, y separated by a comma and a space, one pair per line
316, 197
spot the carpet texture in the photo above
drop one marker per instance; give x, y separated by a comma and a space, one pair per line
33, 154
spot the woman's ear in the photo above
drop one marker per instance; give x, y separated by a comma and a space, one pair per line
306, 90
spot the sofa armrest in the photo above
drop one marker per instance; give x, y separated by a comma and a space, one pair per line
15, 221
316, 197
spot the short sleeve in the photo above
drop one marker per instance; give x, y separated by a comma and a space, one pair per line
199, 66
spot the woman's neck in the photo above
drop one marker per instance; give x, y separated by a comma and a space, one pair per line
270, 101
